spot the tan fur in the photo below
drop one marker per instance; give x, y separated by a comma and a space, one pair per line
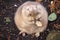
23, 23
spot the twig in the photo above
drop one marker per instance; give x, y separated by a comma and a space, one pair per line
8, 36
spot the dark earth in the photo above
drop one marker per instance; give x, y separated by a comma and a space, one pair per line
9, 31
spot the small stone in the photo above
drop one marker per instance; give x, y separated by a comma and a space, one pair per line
52, 17
15, 5
7, 19
53, 35
51, 2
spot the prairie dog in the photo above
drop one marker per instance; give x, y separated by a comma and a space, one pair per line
31, 18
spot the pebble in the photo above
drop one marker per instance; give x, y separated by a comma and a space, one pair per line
52, 17
7, 19
53, 35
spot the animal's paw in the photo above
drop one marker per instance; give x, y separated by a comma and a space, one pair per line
37, 34
23, 33
38, 23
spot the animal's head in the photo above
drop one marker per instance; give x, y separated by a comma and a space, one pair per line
30, 13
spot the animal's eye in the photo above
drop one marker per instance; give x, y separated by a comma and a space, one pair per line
30, 14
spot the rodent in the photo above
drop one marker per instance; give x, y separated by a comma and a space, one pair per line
27, 17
